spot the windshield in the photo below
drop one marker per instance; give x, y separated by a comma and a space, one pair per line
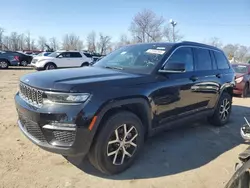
54, 54
240, 68
141, 58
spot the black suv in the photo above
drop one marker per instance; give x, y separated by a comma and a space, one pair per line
108, 109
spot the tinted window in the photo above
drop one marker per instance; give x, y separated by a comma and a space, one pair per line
183, 55
65, 54
213, 60
203, 59
221, 60
87, 54
75, 54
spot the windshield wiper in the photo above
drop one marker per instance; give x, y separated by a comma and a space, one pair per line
114, 67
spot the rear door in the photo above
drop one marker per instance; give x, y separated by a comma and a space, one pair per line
208, 78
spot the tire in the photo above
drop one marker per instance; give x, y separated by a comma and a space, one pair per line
4, 64
223, 110
101, 148
50, 66
245, 91
85, 64
24, 63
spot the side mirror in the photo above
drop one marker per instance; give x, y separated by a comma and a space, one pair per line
60, 56
174, 68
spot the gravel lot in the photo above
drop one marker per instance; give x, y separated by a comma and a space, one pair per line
198, 155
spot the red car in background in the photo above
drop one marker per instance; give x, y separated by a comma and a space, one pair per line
242, 79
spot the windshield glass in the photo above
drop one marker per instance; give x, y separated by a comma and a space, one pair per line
240, 68
141, 58
54, 54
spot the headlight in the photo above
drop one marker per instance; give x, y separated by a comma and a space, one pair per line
40, 60
238, 80
57, 97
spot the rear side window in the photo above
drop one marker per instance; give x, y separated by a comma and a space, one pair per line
75, 54
87, 54
183, 55
221, 60
203, 59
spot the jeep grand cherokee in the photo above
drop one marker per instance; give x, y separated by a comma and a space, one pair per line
107, 110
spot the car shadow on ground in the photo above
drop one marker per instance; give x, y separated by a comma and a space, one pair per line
18, 68
179, 150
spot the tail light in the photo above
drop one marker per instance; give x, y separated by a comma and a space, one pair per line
16, 58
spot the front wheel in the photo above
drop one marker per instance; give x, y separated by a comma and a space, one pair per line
223, 110
118, 143
50, 66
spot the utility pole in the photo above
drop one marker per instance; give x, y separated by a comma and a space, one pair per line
173, 23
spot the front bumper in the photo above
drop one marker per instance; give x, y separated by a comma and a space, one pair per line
32, 123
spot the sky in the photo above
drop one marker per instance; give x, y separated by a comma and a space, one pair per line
198, 20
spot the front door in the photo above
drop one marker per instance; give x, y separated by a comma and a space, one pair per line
177, 88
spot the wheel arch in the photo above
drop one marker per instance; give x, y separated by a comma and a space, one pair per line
49, 63
85, 64
139, 106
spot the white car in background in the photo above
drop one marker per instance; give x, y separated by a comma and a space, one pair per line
61, 59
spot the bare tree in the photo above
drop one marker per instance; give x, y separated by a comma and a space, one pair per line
91, 42
14, 41
146, 26
104, 44
230, 50
54, 43
21, 42
215, 42
241, 53
72, 42
28, 41
33, 45
6, 43
171, 35
42, 43
1, 38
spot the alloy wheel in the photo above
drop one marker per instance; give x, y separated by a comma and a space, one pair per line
50, 67
122, 144
225, 109
3, 64
24, 63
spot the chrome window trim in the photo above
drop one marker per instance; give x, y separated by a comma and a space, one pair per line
188, 46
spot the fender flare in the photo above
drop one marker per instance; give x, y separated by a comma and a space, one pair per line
119, 103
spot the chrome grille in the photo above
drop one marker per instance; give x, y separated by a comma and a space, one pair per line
65, 137
31, 95
32, 128
34, 61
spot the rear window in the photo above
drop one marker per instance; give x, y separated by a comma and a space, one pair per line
75, 54
221, 60
87, 54
240, 68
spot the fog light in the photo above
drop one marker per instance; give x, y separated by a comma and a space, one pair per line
61, 126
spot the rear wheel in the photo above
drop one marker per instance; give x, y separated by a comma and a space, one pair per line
4, 64
223, 110
245, 91
24, 63
85, 64
50, 66
118, 143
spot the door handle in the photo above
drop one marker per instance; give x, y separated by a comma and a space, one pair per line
218, 75
193, 78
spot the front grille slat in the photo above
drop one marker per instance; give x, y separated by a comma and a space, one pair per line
31, 95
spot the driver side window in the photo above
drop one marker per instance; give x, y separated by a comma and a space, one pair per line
183, 55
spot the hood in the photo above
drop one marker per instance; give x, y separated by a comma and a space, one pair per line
237, 75
80, 79
42, 57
